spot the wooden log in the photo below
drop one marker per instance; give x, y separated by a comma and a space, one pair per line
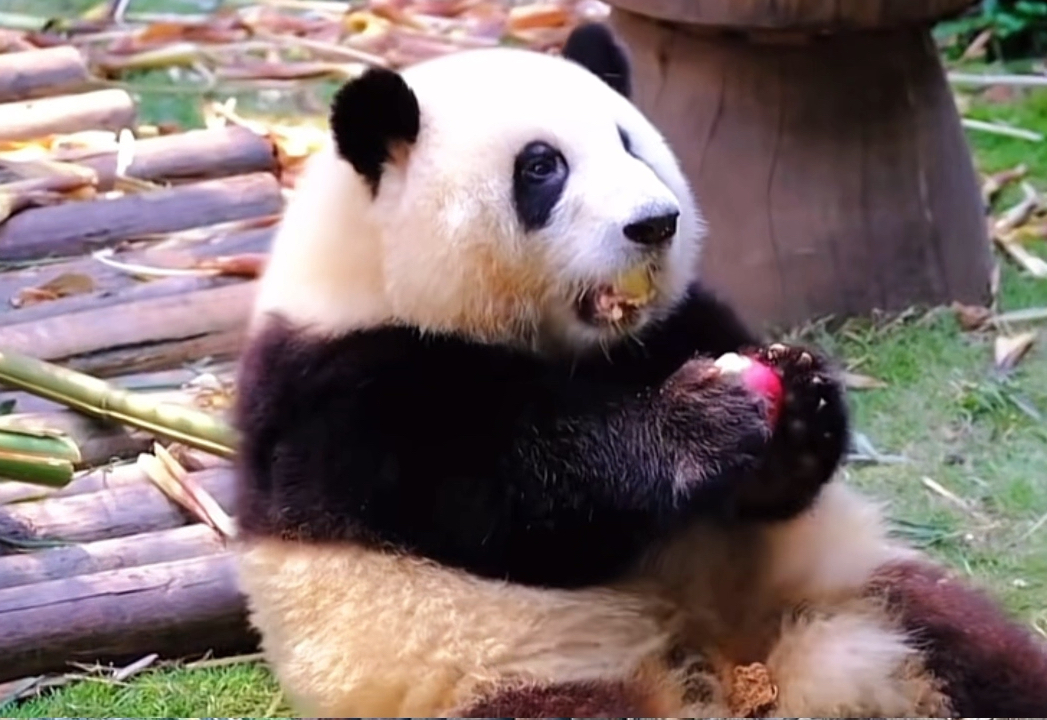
797, 14
99, 442
833, 172
111, 109
148, 334
174, 609
119, 511
113, 286
48, 71
181, 543
193, 155
78, 227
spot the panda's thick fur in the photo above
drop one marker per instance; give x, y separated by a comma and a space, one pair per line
464, 490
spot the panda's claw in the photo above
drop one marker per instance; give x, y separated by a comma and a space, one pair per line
809, 438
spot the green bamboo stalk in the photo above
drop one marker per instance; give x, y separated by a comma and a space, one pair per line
50, 472
36, 457
101, 399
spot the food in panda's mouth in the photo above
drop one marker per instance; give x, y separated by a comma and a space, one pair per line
612, 303
755, 375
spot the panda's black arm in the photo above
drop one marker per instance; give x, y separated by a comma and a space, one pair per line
480, 457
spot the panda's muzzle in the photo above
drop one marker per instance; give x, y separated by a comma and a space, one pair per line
618, 302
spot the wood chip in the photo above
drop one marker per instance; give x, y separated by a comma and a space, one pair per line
1008, 351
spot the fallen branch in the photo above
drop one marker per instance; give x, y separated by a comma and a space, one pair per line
111, 109
188, 541
960, 78
77, 228
120, 511
47, 71
97, 442
174, 609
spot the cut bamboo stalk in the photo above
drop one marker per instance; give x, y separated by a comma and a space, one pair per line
98, 441
119, 511
174, 609
188, 541
96, 397
48, 71
193, 155
107, 477
79, 227
111, 109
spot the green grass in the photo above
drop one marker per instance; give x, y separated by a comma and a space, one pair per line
942, 410
245, 690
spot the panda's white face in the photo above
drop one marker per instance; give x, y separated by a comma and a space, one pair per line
529, 203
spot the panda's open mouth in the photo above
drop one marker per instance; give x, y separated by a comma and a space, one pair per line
618, 302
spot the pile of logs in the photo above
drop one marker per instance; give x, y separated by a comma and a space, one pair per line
108, 568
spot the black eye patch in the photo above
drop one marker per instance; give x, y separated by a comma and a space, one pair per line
539, 176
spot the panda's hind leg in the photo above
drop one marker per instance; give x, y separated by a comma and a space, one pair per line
989, 666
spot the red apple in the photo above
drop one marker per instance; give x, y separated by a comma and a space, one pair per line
758, 377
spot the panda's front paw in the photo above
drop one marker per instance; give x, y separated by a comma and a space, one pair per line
809, 439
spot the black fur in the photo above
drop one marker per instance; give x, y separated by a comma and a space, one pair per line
370, 114
508, 465
593, 46
539, 176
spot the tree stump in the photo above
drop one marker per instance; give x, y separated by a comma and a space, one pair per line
823, 144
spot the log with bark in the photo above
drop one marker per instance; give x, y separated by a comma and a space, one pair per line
109, 284
77, 227
181, 543
47, 71
118, 511
175, 609
193, 155
150, 333
111, 109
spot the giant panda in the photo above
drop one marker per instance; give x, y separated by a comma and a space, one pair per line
490, 467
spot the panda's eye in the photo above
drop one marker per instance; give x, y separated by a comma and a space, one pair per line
540, 163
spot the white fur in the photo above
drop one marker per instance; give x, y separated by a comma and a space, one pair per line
441, 246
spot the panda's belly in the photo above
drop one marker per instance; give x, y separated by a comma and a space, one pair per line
351, 632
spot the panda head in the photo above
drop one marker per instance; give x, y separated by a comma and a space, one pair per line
505, 194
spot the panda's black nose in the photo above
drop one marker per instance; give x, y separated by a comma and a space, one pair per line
654, 230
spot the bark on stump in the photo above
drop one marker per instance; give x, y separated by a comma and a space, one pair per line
824, 147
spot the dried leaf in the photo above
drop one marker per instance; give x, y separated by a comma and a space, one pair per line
213, 514
997, 181
971, 317
63, 285
245, 265
1008, 351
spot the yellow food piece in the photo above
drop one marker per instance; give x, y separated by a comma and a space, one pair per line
635, 285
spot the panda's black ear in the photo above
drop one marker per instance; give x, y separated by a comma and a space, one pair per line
593, 46
370, 116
